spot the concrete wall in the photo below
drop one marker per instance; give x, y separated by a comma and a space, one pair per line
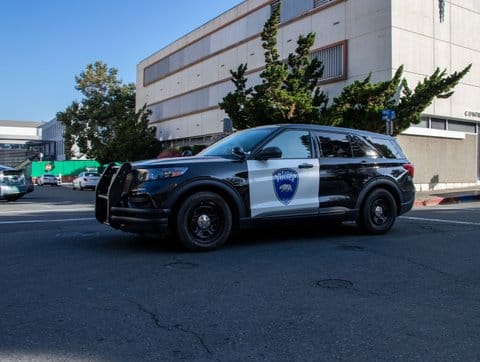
421, 42
441, 161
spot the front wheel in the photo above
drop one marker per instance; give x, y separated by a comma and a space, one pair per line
204, 221
378, 212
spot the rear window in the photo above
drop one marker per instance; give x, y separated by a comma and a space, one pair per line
92, 174
386, 147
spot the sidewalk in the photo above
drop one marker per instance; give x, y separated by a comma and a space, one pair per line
444, 197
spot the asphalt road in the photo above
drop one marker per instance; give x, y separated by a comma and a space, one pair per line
72, 289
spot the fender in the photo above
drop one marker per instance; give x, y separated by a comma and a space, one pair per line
379, 182
208, 184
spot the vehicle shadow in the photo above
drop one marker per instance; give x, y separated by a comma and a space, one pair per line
271, 233
287, 231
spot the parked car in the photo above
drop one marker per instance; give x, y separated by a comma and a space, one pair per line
86, 180
260, 174
12, 183
49, 179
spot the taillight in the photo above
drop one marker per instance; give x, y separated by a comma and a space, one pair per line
410, 168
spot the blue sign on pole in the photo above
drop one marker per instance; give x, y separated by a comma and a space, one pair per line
388, 115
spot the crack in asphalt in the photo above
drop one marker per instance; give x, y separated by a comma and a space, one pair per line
179, 327
180, 264
419, 264
353, 247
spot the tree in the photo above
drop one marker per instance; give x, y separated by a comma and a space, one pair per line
72, 127
289, 90
105, 125
360, 103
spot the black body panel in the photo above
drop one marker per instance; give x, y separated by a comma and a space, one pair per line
144, 197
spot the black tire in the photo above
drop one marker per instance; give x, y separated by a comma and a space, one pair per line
204, 222
12, 198
378, 212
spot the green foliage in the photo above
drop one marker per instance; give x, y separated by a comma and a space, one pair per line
105, 125
197, 148
413, 103
289, 91
360, 104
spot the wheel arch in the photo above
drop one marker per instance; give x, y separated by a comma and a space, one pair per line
227, 192
383, 183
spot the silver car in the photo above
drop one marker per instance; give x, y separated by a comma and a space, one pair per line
86, 180
49, 179
12, 183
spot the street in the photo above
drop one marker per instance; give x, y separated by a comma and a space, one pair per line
73, 289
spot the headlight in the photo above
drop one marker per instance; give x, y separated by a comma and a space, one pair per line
152, 174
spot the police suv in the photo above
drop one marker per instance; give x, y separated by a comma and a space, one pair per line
266, 173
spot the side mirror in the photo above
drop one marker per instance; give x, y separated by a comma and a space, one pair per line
239, 152
269, 152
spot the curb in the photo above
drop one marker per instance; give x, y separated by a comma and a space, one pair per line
436, 200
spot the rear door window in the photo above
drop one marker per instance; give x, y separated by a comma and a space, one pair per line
386, 147
334, 145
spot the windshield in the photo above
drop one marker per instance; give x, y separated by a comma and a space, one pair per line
247, 139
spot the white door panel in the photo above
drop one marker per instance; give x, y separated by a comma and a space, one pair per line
280, 186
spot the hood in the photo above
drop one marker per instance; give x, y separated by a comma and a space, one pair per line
179, 161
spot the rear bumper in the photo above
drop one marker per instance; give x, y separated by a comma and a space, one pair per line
407, 206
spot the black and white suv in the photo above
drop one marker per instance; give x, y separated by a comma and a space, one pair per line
265, 173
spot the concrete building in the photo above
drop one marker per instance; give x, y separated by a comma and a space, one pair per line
52, 134
184, 82
19, 140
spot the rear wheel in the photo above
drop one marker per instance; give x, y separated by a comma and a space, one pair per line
204, 221
378, 212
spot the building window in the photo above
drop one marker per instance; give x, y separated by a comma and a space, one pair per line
462, 126
446, 124
437, 123
333, 59
422, 124
275, 5
318, 3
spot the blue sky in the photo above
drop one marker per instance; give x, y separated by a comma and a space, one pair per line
44, 44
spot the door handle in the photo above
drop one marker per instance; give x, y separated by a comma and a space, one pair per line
305, 165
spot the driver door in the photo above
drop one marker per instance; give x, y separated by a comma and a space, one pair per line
288, 185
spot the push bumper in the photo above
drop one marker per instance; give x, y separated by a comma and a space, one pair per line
112, 209
142, 221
